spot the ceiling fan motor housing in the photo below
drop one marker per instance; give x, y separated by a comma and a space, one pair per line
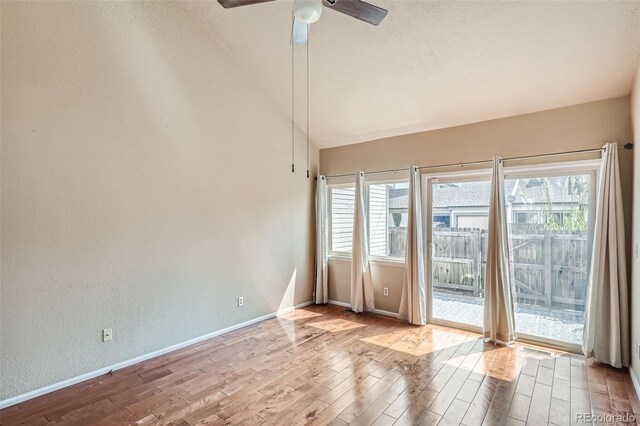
307, 11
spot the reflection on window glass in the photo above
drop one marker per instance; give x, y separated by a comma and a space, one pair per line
548, 239
388, 208
342, 200
460, 213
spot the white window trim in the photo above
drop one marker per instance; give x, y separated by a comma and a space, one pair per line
382, 181
551, 169
394, 262
478, 174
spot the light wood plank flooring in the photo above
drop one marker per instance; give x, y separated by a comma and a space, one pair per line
323, 365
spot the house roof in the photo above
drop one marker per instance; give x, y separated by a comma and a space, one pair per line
476, 194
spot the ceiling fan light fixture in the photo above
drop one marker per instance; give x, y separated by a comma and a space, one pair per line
307, 11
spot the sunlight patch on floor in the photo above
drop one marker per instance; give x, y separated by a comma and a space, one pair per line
299, 314
417, 341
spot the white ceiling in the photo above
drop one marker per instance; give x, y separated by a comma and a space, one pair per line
432, 65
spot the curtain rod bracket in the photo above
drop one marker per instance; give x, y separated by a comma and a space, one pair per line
628, 145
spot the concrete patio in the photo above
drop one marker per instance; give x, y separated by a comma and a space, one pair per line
557, 324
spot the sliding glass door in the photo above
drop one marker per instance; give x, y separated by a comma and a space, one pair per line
458, 211
550, 223
550, 218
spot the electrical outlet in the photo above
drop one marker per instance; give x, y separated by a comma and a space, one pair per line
107, 334
240, 301
385, 291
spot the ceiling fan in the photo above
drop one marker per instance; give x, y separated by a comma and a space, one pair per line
306, 12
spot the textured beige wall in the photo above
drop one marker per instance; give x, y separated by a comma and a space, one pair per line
381, 275
146, 184
635, 262
577, 127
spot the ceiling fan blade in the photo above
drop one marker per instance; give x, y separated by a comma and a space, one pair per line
358, 9
299, 33
236, 3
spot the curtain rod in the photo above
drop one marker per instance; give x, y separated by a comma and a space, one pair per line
472, 163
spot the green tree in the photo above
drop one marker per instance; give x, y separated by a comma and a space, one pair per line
574, 216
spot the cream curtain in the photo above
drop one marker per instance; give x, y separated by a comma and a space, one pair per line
413, 305
361, 287
499, 317
606, 333
320, 292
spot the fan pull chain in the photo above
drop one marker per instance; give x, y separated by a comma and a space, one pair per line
308, 40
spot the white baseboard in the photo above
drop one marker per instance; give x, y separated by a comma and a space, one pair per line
387, 313
90, 375
335, 302
377, 311
634, 380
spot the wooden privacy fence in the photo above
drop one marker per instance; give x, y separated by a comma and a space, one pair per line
458, 259
549, 268
397, 241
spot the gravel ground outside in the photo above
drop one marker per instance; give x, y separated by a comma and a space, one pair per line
557, 324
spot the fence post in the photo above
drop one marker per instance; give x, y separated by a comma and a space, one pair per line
547, 268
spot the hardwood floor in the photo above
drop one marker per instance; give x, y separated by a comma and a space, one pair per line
322, 365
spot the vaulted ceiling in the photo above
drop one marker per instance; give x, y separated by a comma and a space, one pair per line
429, 64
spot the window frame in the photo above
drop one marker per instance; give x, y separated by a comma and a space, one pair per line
427, 180
392, 261
388, 260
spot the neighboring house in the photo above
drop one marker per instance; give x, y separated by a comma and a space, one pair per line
529, 201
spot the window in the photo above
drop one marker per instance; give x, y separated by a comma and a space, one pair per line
387, 210
342, 200
441, 220
458, 247
549, 248
525, 217
388, 205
